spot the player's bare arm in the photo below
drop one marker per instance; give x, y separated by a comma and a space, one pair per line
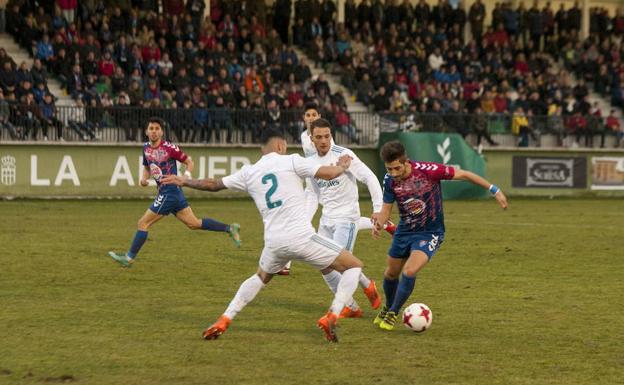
145, 176
197, 184
331, 172
478, 180
379, 219
188, 163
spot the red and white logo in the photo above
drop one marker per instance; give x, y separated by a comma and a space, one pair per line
155, 172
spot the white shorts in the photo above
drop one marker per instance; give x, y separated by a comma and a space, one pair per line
343, 233
317, 251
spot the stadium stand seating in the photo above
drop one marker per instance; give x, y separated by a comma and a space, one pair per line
226, 78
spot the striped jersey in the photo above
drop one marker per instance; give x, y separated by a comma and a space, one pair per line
161, 161
419, 196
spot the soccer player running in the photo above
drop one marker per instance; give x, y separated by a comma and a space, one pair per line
159, 159
275, 184
416, 188
341, 207
311, 113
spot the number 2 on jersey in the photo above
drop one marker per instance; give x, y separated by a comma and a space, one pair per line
273, 180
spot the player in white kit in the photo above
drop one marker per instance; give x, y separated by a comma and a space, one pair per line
341, 208
311, 113
275, 184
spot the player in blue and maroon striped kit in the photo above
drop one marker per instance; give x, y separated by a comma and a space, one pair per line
159, 159
415, 186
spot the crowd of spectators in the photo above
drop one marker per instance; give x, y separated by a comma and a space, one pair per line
431, 65
436, 68
128, 54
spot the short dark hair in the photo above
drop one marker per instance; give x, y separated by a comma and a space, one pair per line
311, 106
392, 151
319, 123
155, 119
269, 134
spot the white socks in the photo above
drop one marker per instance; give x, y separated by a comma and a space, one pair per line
364, 281
245, 294
365, 224
346, 287
333, 279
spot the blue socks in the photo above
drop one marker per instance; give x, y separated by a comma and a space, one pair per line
390, 288
406, 286
137, 243
212, 225
141, 236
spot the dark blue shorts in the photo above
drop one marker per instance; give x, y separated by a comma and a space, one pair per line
169, 202
404, 243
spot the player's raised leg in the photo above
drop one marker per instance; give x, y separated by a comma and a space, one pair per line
351, 268
332, 279
345, 234
187, 216
416, 261
146, 221
245, 294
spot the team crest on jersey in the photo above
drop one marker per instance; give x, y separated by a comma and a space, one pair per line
327, 183
155, 172
415, 206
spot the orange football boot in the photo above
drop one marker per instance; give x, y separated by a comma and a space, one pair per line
217, 328
328, 324
373, 295
347, 312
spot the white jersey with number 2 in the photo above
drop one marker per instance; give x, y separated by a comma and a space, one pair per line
275, 183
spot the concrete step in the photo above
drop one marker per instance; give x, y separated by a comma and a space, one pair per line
20, 55
334, 84
603, 103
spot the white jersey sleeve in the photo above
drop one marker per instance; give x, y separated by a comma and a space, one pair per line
304, 167
236, 181
307, 145
339, 196
364, 174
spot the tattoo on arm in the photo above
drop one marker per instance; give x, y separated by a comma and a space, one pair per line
205, 184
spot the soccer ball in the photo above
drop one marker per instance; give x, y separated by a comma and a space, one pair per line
417, 317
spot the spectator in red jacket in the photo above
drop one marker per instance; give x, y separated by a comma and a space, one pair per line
613, 126
106, 65
151, 51
173, 7
577, 125
68, 8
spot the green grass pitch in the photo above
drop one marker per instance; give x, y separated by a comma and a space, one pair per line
533, 295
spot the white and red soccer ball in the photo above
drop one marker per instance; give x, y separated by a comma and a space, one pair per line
417, 317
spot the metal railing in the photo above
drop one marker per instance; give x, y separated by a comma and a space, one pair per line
222, 126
